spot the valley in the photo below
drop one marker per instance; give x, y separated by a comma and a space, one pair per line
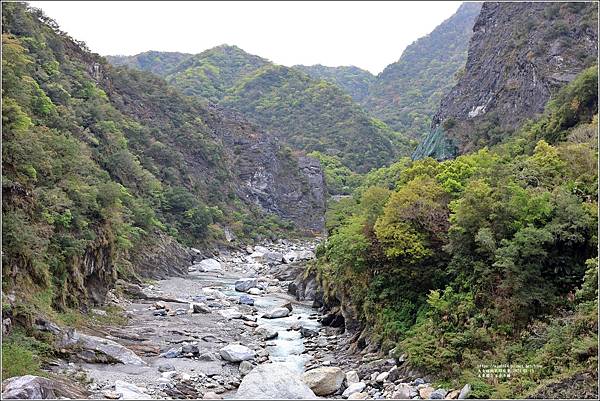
214, 225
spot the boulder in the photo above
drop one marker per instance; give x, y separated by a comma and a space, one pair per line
209, 265
324, 381
236, 353
402, 392
452, 395
425, 392
266, 333
31, 387
244, 284
190, 349
358, 396
167, 367
261, 249
99, 350
199, 308
273, 381
172, 353
130, 391
277, 313
382, 377
439, 394
246, 300
464, 393
353, 388
273, 257
213, 293
230, 314
245, 367
305, 332
352, 377
305, 255
255, 291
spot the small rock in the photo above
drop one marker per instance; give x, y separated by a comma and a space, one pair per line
358, 396
130, 391
111, 395
425, 392
190, 349
244, 284
402, 392
277, 313
307, 333
167, 367
382, 377
99, 312
199, 308
208, 356
352, 377
160, 305
236, 353
251, 324
464, 393
353, 388
245, 368
211, 395
452, 395
230, 314
246, 300
172, 353
438, 394
255, 291
266, 333
288, 306
160, 312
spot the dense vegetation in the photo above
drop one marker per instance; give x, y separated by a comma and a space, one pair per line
309, 114
407, 93
96, 162
490, 258
353, 80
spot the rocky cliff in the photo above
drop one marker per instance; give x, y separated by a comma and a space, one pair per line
520, 54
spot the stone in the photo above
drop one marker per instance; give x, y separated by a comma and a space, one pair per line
160, 305
211, 395
425, 392
358, 396
172, 353
160, 312
382, 377
213, 293
419, 381
354, 388
307, 333
190, 349
209, 265
244, 284
438, 394
111, 395
255, 291
277, 313
352, 377
236, 353
266, 333
288, 306
452, 395
273, 257
36, 387
250, 324
246, 300
245, 367
230, 314
199, 308
261, 249
402, 392
130, 391
99, 312
305, 255
324, 381
208, 356
99, 350
249, 249
464, 392
273, 381
167, 367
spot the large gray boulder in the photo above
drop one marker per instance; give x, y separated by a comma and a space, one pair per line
209, 265
277, 313
31, 387
99, 350
325, 380
273, 381
266, 333
236, 353
244, 284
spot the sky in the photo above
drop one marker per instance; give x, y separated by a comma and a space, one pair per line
369, 34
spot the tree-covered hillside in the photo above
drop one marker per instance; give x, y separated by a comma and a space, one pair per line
408, 92
99, 162
353, 80
309, 114
488, 259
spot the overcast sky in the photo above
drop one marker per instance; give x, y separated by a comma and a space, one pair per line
369, 35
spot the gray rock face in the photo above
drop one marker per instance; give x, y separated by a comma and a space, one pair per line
38, 388
236, 353
273, 381
160, 257
324, 381
277, 313
511, 72
99, 350
244, 284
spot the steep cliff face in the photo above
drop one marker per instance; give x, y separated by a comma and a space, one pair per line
519, 56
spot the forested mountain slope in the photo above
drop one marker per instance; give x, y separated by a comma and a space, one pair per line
100, 164
519, 56
353, 80
309, 114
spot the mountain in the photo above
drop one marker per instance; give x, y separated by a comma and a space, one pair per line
156, 62
407, 93
105, 168
519, 56
307, 113
353, 80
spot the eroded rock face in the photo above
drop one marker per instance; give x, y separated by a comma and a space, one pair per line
273, 381
160, 257
519, 55
35, 388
